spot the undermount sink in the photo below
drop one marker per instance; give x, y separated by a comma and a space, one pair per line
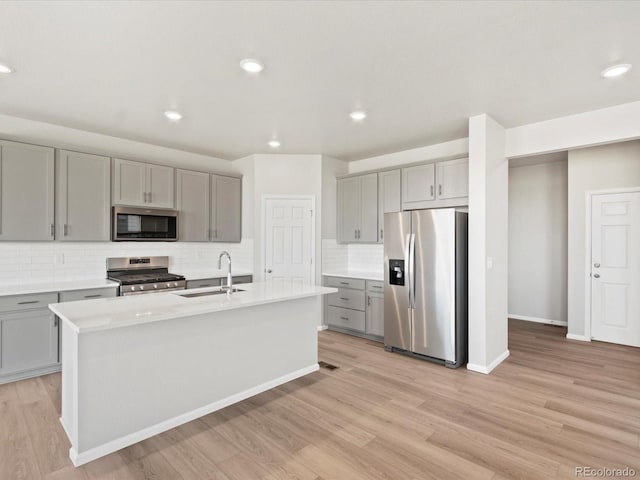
205, 294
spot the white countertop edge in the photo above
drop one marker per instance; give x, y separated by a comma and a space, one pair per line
55, 286
377, 276
55, 308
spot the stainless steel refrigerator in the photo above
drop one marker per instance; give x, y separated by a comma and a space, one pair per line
425, 284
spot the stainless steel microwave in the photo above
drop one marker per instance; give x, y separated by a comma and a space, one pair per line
131, 224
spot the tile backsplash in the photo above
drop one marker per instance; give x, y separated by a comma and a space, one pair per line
27, 262
368, 258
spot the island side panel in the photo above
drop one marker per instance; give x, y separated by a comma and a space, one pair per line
135, 382
69, 358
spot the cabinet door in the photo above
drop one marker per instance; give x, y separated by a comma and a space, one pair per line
29, 340
368, 230
160, 181
226, 208
83, 197
192, 203
375, 314
453, 179
129, 183
418, 186
26, 192
389, 199
348, 214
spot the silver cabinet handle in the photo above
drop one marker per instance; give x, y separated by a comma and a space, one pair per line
432, 190
381, 234
344, 283
344, 318
439, 189
55, 322
66, 229
97, 295
53, 230
597, 265
344, 299
355, 234
30, 302
596, 275
144, 197
368, 300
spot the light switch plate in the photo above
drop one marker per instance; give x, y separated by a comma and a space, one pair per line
489, 263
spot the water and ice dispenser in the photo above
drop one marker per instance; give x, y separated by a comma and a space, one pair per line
396, 272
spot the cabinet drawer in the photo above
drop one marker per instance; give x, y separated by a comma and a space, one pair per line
345, 318
203, 283
340, 282
27, 302
375, 286
347, 298
92, 293
243, 279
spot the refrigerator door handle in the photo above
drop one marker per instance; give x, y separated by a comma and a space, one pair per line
411, 245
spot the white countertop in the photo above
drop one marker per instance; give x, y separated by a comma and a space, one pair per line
55, 286
204, 273
106, 313
378, 276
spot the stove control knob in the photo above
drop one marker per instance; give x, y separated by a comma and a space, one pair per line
155, 286
133, 288
141, 287
168, 284
175, 284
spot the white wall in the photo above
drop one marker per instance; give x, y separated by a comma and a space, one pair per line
439, 151
598, 168
538, 241
488, 244
41, 133
273, 174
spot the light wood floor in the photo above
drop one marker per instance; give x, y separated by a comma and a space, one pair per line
553, 405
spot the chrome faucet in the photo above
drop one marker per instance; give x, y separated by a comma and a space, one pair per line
229, 287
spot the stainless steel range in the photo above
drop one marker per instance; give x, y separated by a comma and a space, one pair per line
139, 275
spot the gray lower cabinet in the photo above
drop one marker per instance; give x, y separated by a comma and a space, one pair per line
83, 197
193, 203
357, 307
217, 281
28, 335
226, 208
89, 294
26, 192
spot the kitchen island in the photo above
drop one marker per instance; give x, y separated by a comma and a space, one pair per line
133, 367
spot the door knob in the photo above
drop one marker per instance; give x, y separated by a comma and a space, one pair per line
596, 275
597, 265
269, 271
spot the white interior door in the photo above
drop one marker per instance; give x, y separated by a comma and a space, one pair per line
288, 241
615, 268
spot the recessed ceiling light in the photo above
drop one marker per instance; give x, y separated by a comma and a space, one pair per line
274, 143
5, 69
616, 70
173, 115
358, 115
251, 65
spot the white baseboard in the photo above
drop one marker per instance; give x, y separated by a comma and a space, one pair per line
487, 370
322, 327
30, 374
122, 442
581, 338
548, 321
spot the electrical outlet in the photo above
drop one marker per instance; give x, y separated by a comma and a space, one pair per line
58, 258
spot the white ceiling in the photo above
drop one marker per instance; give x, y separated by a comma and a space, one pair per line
419, 69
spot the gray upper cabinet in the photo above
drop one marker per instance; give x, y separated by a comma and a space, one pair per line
358, 209
192, 202
418, 186
83, 197
26, 192
453, 179
389, 197
226, 208
142, 184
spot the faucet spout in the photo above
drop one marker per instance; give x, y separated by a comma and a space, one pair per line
229, 286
